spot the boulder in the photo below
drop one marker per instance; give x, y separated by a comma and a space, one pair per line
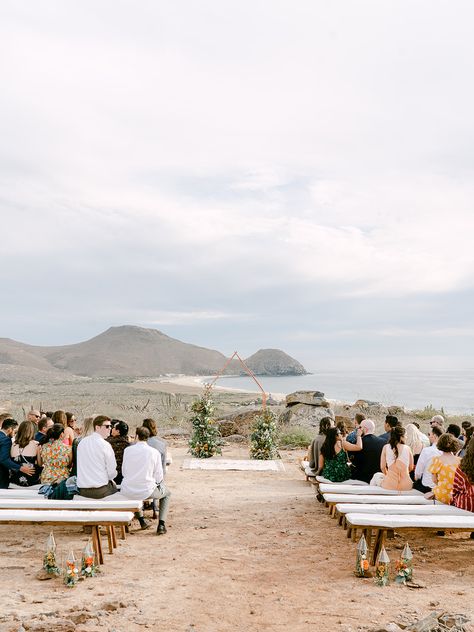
239, 423
310, 398
304, 415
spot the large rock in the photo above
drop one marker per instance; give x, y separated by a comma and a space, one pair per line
304, 415
274, 362
239, 423
311, 398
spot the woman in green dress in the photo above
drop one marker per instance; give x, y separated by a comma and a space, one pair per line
333, 460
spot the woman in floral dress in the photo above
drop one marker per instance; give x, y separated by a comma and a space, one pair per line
54, 456
443, 467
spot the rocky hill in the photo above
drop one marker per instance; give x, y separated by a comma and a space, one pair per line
274, 362
130, 351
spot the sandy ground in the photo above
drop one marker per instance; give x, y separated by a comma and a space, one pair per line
244, 551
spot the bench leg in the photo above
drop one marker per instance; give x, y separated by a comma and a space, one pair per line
380, 535
109, 539
349, 532
114, 537
122, 532
354, 534
97, 544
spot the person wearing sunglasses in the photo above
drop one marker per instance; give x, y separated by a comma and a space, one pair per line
96, 464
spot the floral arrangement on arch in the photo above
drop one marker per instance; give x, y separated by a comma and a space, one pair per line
204, 441
263, 438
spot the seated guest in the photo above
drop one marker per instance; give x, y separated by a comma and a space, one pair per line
7, 464
455, 430
96, 465
143, 477
315, 447
60, 417
463, 485
423, 478
437, 420
43, 424
333, 460
358, 419
33, 415
468, 433
71, 422
396, 462
25, 450
157, 442
55, 456
367, 461
86, 430
443, 467
390, 422
118, 439
415, 440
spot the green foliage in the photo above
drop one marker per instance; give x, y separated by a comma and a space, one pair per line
428, 412
263, 437
205, 436
295, 437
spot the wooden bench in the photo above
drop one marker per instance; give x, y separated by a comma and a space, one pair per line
92, 518
342, 488
331, 500
379, 524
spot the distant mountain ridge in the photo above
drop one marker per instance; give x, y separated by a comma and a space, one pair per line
131, 351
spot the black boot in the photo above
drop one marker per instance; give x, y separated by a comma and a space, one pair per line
161, 529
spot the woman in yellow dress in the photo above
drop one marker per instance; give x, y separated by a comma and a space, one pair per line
443, 467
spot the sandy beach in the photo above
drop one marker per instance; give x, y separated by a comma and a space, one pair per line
244, 551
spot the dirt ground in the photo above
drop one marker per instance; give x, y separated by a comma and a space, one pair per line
244, 551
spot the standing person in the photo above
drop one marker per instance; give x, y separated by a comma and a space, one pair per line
55, 456
118, 439
96, 465
443, 467
423, 478
25, 451
143, 477
396, 462
463, 485
333, 460
367, 461
7, 433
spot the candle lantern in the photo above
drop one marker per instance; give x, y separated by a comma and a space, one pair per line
362, 563
50, 564
382, 568
404, 566
88, 566
71, 572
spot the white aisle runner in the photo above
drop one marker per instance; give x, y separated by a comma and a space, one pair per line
250, 465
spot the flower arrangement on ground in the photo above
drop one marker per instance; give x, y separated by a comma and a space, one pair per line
71, 572
88, 566
204, 439
404, 566
382, 569
263, 437
362, 563
50, 564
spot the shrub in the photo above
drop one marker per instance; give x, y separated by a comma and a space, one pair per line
205, 436
263, 437
428, 412
295, 437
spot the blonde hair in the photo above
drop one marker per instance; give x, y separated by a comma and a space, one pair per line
414, 438
88, 426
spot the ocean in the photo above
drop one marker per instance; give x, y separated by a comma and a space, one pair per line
451, 390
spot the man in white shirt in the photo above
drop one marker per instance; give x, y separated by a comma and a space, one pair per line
143, 477
423, 478
96, 465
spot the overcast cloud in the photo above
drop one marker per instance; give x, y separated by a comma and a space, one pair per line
241, 175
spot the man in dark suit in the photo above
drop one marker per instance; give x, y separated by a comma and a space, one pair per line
367, 461
7, 432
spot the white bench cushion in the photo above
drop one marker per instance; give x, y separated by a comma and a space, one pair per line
405, 510
70, 505
20, 492
374, 499
81, 517
383, 521
350, 481
342, 488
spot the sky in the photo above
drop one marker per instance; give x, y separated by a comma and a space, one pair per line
241, 175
